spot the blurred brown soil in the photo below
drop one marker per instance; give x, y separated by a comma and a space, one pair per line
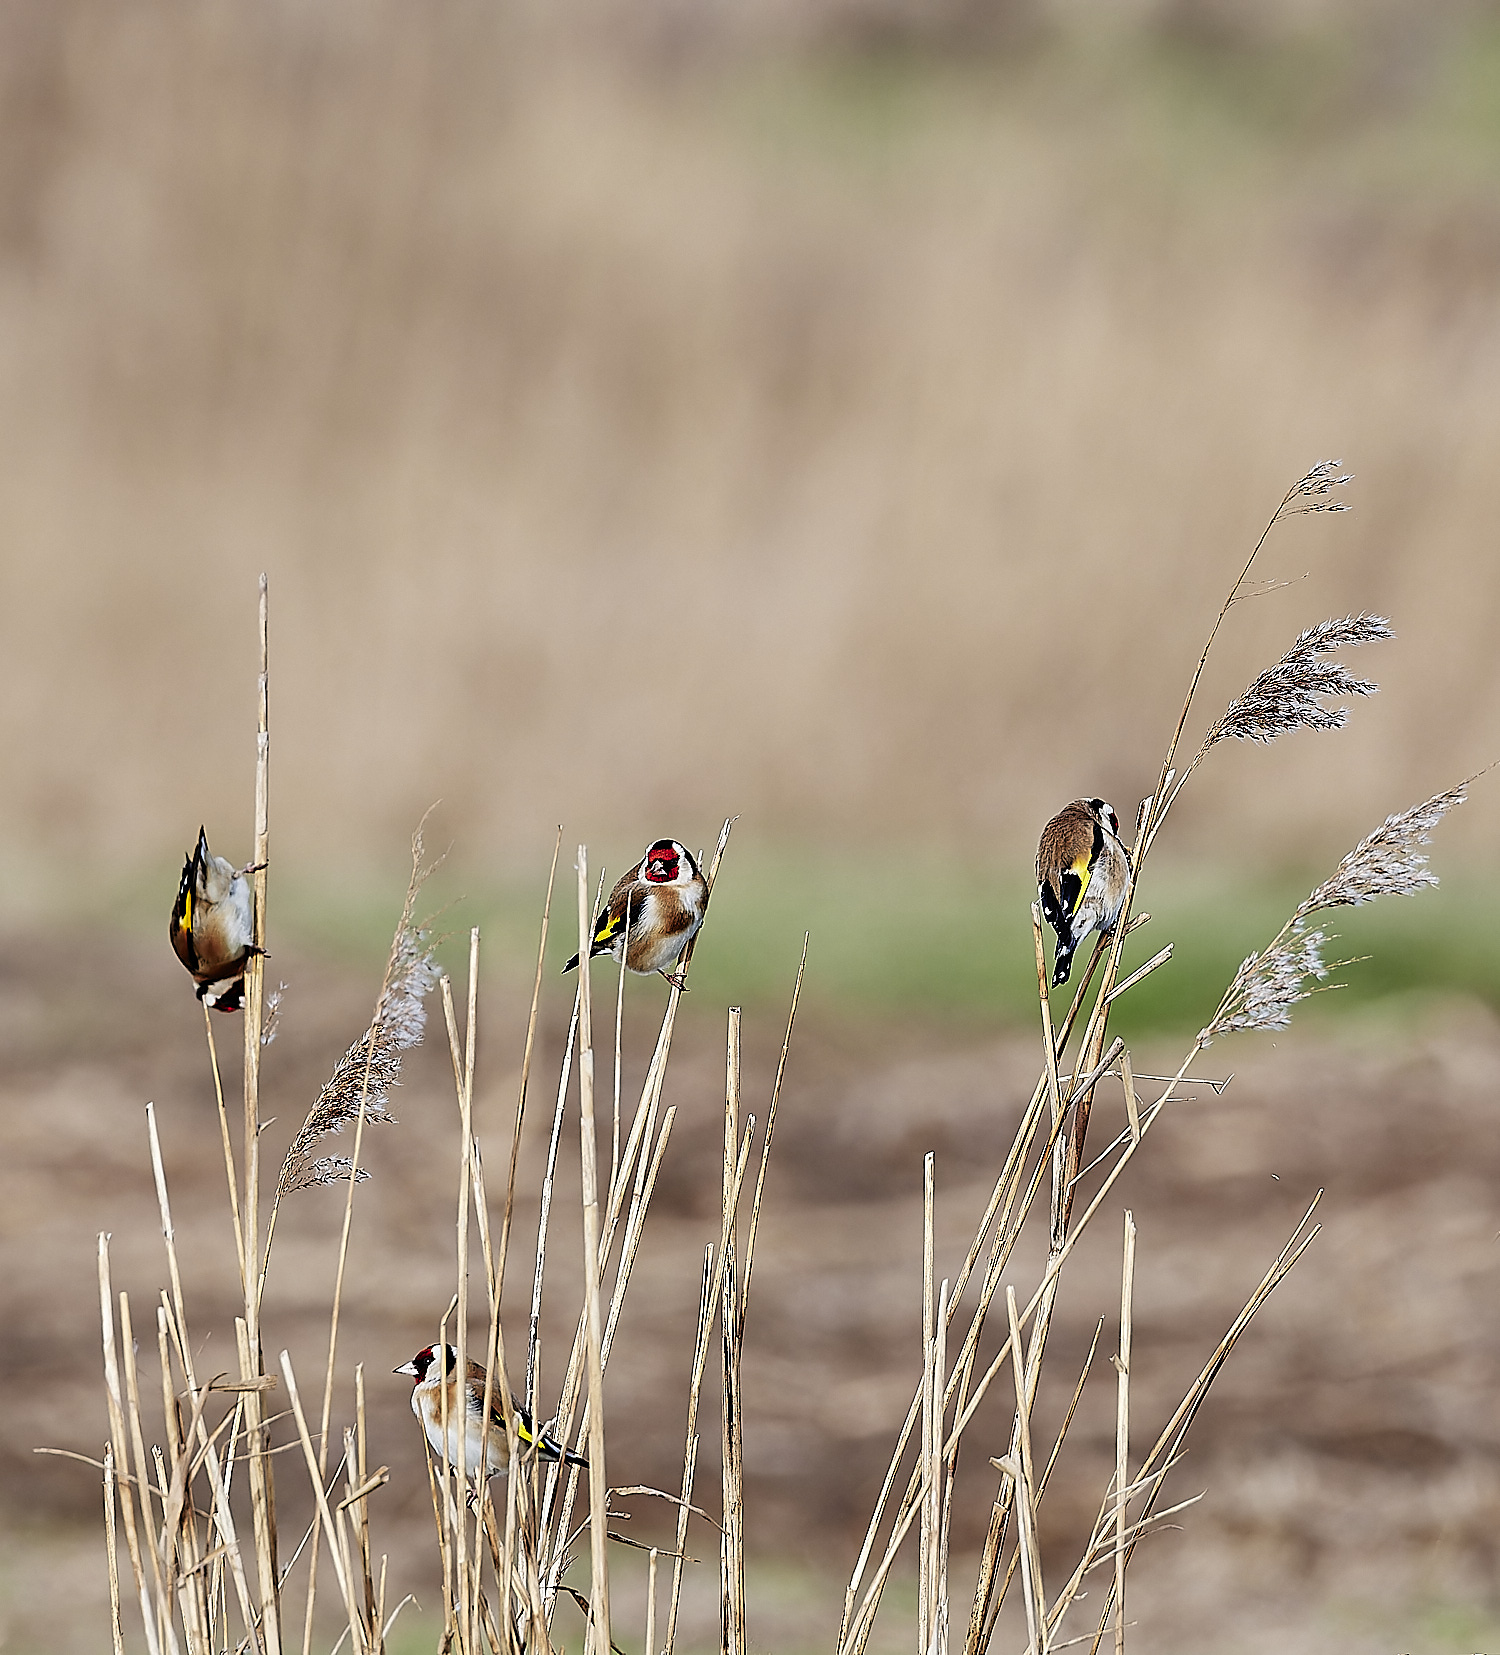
1348, 1452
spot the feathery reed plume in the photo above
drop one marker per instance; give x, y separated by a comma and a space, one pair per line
1388, 862
1315, 486
1290, 695
1267, 985
372, 1065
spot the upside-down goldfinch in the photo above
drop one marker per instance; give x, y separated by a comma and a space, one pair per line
1082, 870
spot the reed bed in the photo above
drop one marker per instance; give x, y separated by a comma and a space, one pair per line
208, 1567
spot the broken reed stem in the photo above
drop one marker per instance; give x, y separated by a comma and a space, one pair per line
599, 1631
1122, 1425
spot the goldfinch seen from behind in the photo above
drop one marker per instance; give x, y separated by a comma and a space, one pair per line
435, 1371
213, 926
653, 913
1082, 869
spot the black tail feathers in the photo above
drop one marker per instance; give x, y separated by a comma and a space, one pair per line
553, 1450
572, 965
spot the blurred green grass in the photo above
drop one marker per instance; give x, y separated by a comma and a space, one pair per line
1399, 104
920, 938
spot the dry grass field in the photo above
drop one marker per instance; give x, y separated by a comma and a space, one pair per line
845, 415
1349, 1454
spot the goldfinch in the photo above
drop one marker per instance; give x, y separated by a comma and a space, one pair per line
653, 913
432, 1375
213, 926
1082, 869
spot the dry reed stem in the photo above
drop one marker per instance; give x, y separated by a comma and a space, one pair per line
649, 1645
641, 1129
227, 1145
165, 1619
690, 1447
765, 1148
1021, 1471
713, 1287
1006, 1237
467, 1604
177, 1326
732, 1474
1132, 1107
599, 1629
334, 1532
937, 1585
1001, 1199
1050, 1058
926, 1465
1139, 972
262, 1495
1168, 1444
998, 1601
732, 1528
1122, 1425
533, 1347
111, 1549
614, 1133
121, 1449
526, 1056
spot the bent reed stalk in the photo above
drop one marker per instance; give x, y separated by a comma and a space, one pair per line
209, 1569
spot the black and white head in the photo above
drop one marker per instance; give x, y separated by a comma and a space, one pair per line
668, 863
1105, 813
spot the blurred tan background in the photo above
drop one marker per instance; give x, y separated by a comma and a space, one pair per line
845, 414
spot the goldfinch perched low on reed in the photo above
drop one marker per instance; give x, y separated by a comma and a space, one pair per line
432, 1376
1082, 869
213, 926
653, 913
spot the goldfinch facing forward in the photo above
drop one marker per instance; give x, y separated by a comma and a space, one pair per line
213, 926
434, 1372
653, 913
1082, 869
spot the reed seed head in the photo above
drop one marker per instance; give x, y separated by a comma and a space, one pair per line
372, 1065
1291, 695
1268, 985
1389, 862
1310, 492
